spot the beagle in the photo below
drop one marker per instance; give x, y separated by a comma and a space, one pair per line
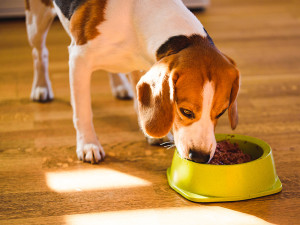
188, 85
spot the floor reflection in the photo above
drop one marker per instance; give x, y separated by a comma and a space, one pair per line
93, 179
204, 215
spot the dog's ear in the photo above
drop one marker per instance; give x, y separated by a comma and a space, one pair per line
233, 111
155, 94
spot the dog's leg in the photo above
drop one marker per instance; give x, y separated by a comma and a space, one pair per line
120, 86
39, 17
88, 146
134, 78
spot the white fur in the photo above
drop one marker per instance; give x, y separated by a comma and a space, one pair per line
125, 48
64, 21
170, 18
130, 35
37, 25
200, 134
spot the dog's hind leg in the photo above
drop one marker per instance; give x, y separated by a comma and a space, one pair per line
120, 86
39, 16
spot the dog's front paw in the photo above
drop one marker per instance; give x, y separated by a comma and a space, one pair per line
158, 141
120, 86
41, 94
122, 92
90, 153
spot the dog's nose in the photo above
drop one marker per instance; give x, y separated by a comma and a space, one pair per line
198, 156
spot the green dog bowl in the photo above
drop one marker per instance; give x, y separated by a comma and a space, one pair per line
219, 183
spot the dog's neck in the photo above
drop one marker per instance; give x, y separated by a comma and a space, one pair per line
170, 18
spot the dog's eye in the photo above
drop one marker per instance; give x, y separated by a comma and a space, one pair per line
187, 113
219, 115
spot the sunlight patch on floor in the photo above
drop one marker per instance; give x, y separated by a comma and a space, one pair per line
204, 215
93, 179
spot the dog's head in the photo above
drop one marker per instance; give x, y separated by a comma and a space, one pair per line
188, 89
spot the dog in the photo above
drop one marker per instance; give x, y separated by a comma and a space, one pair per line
187, 86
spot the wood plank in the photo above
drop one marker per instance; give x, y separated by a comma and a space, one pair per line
262, 36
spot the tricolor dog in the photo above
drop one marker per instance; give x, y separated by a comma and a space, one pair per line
188, 85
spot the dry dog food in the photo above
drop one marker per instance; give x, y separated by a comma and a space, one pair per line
228, 154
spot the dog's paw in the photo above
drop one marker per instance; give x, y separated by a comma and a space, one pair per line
90, 153
159, 141
122, 92
41, 94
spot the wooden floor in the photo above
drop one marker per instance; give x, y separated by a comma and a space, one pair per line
42, 182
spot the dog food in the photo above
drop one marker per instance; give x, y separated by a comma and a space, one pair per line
228, 154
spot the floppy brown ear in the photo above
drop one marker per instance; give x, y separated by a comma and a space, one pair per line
155, 94
233, 111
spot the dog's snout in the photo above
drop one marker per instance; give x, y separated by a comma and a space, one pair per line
198, 156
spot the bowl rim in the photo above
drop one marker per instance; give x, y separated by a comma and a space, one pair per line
266, 148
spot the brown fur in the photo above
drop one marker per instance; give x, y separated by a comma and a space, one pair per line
45, 2
157, 112
85, 20
232, 111
172, 46
27, 5
208, 64
48, 2
191, 68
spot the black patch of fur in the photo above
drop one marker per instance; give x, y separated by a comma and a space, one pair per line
68, 7
177, 43
172, 46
